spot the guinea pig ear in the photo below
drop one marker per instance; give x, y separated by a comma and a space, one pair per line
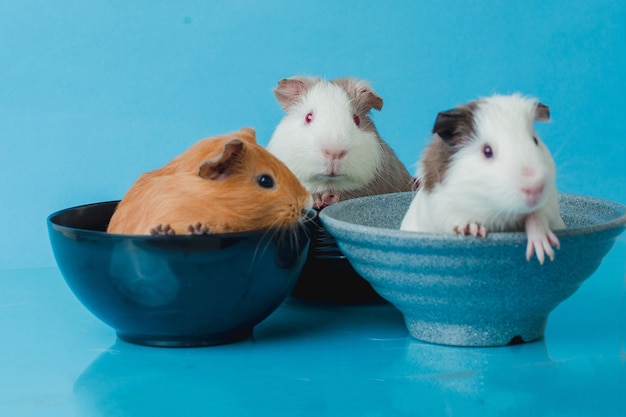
542, 113
247, 134
452, 125
225, 163
361, 93
290, 91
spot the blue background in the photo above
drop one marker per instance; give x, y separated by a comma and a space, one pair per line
94, 93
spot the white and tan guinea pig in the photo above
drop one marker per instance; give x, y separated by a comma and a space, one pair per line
328, 140
487, 170
221, 184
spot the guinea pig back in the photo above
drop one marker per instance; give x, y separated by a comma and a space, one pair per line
221, 184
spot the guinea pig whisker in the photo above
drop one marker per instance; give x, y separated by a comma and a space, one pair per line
264, 243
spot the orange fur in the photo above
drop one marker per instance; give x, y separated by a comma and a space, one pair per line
214, 183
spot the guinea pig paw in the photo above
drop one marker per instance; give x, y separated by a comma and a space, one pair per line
198, 229
325, 199
473, 229
162, 229
541, 245
541, 240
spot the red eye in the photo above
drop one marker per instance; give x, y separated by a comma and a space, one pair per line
308, 118
357, 119
487, 151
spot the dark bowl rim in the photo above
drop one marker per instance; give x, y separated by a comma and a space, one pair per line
311, 216
326, 217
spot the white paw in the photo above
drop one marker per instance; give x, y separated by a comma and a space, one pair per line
325, 199
541, 239
473, 229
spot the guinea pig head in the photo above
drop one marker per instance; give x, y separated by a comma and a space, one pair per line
327, 137
251, 187
491, 151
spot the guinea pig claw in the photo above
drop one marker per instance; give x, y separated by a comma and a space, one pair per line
541, 239
541, 248
162, 229
532, 249
198, 229
554, 241
324, 200
473, 229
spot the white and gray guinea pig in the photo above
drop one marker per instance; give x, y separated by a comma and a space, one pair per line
486, 169
328, 140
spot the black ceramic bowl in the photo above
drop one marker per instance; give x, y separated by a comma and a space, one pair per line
328, 276
176, 290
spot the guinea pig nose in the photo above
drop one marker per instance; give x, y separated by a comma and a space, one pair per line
528, 172
334, 154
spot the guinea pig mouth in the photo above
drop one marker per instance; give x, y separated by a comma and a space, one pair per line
331, 177
534, 196
527, 205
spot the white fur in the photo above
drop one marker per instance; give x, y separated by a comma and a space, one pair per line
489, 192
301, 146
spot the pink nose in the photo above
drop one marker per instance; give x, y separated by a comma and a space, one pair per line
334, 154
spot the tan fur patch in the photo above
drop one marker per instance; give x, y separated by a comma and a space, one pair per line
453, 128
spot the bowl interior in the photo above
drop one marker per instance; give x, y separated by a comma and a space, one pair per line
581, 214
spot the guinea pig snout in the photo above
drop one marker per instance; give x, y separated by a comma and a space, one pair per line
333, 160
533, 194
533, 185
304, 212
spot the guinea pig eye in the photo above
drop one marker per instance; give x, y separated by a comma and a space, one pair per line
265, 181
536, 140
308, 118
357, 119
488, 151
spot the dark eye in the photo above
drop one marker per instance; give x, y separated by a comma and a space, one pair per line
357, 120
308, 118
487, 151
265, 181
536, 140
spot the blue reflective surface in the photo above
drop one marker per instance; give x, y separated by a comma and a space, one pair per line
310, 359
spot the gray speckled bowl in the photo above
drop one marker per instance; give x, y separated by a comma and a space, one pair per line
468, 291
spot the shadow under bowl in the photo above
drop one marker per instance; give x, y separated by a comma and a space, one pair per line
176, 291
466, 291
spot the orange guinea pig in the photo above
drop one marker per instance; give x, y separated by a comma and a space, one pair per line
221, 184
